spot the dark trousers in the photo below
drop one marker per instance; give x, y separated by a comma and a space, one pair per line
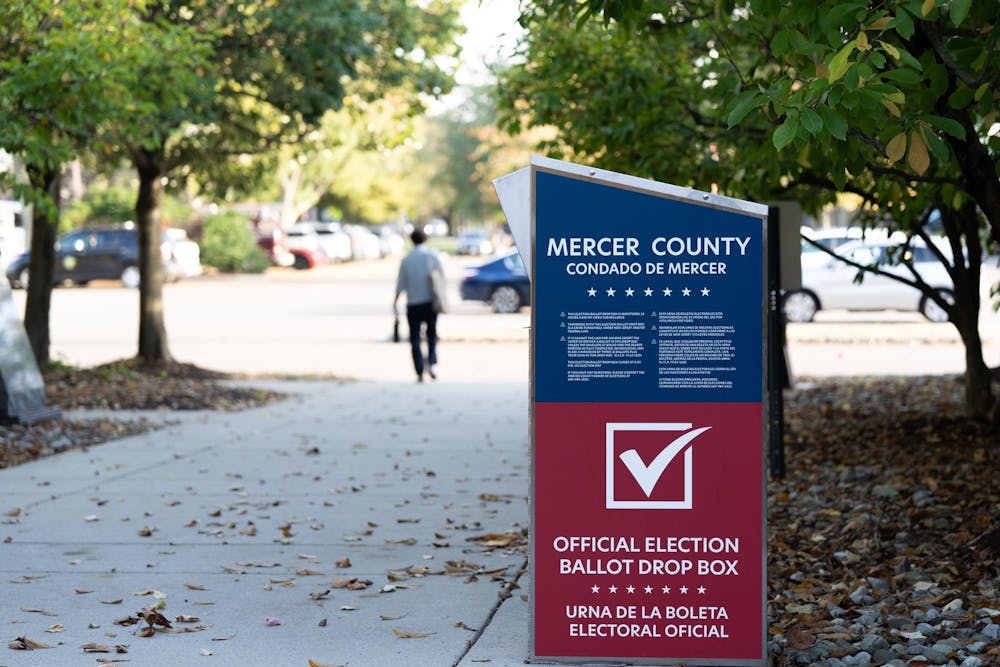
418, 316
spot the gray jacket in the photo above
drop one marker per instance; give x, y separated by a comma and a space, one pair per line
415, 275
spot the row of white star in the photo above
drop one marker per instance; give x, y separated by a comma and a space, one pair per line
648, 291
683, 590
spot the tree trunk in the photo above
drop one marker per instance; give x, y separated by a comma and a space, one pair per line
152, 330
978, 388
44, 224
962, 229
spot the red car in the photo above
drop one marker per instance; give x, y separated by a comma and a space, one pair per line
280, 254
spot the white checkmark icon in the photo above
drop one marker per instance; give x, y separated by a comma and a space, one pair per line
648, 476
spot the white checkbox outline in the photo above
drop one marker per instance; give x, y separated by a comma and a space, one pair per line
611, 428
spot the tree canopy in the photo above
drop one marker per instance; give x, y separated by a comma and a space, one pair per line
763, 99
67, 72
271, 72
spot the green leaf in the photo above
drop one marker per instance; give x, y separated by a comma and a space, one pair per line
896, 97
812, 122
903, 75
959, 10
903, 23
952, 127
785, 133
938, 76
939, 149
742, 105
780, 44
834, 122
961, 98
839, 63
927, 7
852, 79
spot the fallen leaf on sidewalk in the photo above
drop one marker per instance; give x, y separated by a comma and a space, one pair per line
95, 648
411, 635
26, 644
264, 565
461, 567
351, 583
313, 663
32, 610
511, 538
151, 591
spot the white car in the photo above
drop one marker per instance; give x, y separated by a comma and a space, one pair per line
333, 241
364, 243
184, 254
474, 243
830, 238
302, 236
832, 285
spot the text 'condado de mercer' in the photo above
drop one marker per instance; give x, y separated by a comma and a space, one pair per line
661, 246
649, 544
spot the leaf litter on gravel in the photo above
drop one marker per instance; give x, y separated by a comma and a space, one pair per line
889, 508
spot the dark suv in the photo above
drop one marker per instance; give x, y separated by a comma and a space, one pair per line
96, 253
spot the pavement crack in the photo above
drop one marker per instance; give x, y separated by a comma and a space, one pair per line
489, 617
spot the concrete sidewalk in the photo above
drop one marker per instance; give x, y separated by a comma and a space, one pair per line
249, 524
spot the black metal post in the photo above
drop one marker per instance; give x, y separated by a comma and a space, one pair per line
777, 369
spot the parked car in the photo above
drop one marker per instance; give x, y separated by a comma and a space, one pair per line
391, 240
364, 243
304, 244
829, 238
832, 285
273, 244
474, 243
182, 258
333, 240
502, 282
98, 253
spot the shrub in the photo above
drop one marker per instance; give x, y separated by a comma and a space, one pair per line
100, 206
228, 244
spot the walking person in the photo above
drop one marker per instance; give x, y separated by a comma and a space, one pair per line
417, 278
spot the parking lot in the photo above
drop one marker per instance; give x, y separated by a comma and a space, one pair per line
331, 320
337, 320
